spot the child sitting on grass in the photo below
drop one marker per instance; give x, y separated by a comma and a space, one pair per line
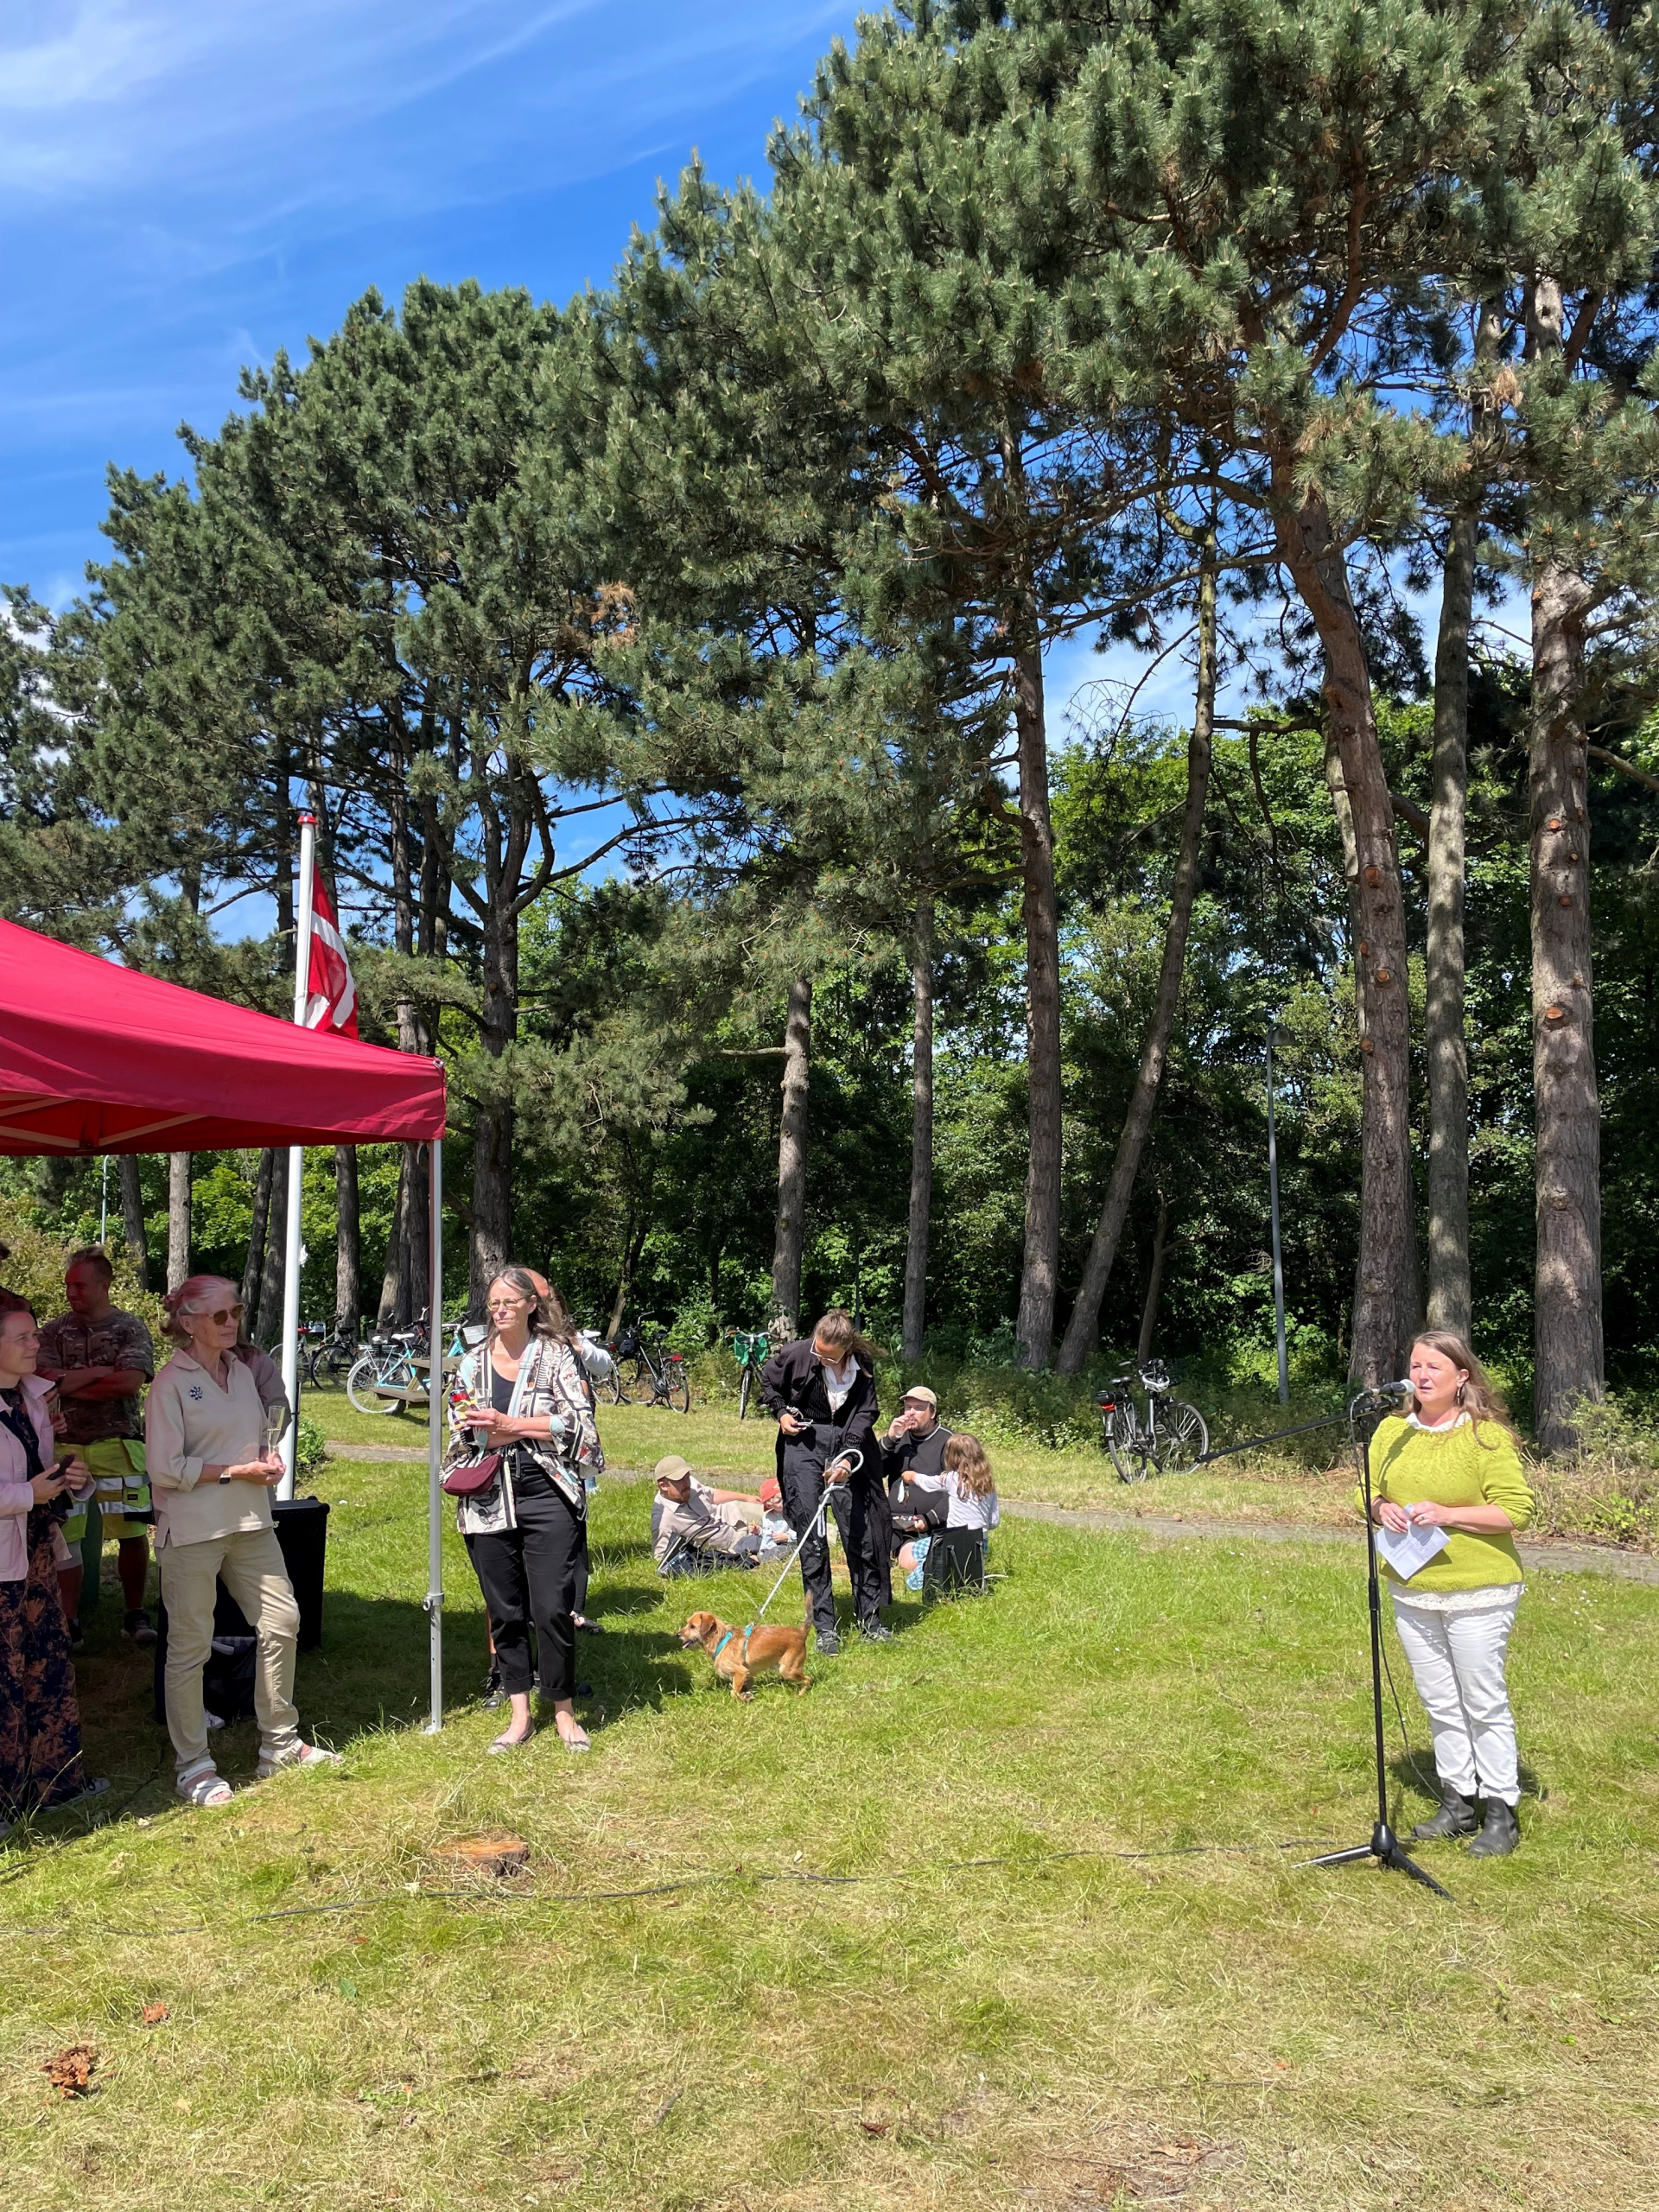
970, 1488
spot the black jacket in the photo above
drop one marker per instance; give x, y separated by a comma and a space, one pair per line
793, 1381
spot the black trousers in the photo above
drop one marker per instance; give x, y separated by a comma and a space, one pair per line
864, 1521
531, 1575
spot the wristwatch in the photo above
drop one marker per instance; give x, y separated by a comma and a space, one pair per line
223, 1475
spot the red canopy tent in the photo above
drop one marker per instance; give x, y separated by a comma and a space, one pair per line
96, 1058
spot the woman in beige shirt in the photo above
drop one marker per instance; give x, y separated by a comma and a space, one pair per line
212, 1474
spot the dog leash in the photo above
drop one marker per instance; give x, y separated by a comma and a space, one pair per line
854, 1461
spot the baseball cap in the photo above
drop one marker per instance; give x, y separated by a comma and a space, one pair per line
672, 1469
921, 1395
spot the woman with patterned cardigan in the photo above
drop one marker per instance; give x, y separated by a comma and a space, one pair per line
524, 1393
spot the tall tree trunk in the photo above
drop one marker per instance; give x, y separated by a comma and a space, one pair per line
1082, 1332
178, 1217
132, 1219
921, 1127
266, 1325
418, 1232
1449, 1296
1154, 1281
1039, 1267
1384, 1296
1567, 1345
348, 1247
258, 1231
788, 1241
507, 843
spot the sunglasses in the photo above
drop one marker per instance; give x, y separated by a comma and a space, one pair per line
224, 1314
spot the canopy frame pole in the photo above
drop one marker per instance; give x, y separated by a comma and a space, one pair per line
435, 1392
293, 1253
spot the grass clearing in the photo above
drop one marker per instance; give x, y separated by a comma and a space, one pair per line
1217, 2029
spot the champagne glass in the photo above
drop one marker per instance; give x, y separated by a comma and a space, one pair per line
275, 1427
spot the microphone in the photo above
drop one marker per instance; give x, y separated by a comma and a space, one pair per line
1380, 1399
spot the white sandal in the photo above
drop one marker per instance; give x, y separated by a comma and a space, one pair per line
296, 1754
203, 1784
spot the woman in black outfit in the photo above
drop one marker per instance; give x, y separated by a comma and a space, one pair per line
527, 1395
823, 1391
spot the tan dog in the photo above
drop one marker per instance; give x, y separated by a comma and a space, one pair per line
739, 1655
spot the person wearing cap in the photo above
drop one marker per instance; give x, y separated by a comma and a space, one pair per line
695, 1528
913, 1460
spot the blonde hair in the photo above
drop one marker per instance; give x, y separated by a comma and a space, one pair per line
1479, 1395
966, 1458
194, 1295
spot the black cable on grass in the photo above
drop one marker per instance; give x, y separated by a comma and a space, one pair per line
692, 1882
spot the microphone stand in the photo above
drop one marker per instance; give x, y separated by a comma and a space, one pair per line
1385, 1847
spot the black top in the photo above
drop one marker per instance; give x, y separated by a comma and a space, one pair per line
501, 1389
793, 1381
911, 1454
14, 1412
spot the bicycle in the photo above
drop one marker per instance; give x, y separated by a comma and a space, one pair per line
751, 1349
332, 1358
645, 1374
1174, 1437
387, 1363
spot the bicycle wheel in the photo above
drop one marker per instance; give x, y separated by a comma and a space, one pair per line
336, 1364
743, 1381
360, 1388
1182, 1438
632, 1383
1127, 1443
677, 1391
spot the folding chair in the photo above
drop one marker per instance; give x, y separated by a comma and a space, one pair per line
954, 1562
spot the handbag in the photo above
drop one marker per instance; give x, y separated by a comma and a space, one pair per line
471, 1476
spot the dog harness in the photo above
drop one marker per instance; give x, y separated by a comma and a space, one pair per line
727, 1638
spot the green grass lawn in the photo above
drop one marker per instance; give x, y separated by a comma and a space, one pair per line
1214, 2029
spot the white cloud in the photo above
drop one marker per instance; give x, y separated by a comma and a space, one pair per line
236, 97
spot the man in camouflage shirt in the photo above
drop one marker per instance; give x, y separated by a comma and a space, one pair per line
101, 1359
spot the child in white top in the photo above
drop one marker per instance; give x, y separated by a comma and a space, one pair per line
970, 1487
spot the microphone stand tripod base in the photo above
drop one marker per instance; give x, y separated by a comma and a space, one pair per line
1386, 1848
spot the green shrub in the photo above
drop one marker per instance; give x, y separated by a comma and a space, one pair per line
310, 1446
1608, 1490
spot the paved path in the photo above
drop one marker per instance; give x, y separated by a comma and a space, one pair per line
1569, 1559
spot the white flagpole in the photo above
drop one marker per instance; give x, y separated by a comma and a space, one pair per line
292, 1257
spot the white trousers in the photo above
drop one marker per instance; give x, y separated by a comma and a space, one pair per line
1457, 1662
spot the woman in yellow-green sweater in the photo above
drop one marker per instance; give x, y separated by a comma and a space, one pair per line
1453, 1464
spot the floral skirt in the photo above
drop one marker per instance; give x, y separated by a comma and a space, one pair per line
40, 1720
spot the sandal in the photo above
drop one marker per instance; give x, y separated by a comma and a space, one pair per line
505, 1743
580, 1742
203, 1784
296, 1754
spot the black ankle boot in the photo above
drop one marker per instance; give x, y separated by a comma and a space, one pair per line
1456, 1817
1501, 1834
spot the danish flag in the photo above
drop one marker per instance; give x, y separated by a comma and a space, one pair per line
333, 1002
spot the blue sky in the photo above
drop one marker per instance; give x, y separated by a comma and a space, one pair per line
184, 187
187, 185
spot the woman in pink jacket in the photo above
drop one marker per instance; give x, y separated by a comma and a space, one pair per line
40, 1721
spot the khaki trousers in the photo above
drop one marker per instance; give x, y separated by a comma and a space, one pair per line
250, 1564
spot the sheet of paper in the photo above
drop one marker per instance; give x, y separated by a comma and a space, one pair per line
1411, 1550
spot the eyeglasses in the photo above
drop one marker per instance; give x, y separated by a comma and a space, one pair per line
225, 1314
505, 1305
